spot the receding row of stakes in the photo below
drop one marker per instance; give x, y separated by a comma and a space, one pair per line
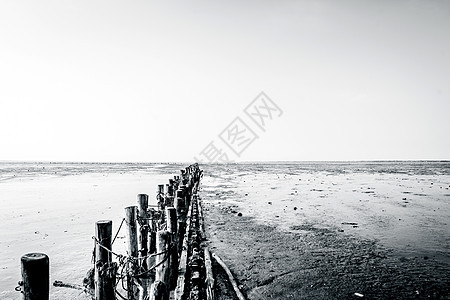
156, 259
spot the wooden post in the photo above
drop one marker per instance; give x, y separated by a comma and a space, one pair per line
187, 194
143, 243
162, 260
171, 187
183, 177
176, 182
173, 183
132, 241
152, 234
195, 188
104, 270
158, 291
167, 202
170, 194
181, 235
180, 206
152, 242
130, 219
35, 276
171, 219
161, 197
166, 189
179, 203
172, 224
142, 233
182, 187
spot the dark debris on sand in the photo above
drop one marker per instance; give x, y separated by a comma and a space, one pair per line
317, 263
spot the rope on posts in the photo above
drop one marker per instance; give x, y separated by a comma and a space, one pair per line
35, 276
121, 257
138, 263
134, 268
125, 261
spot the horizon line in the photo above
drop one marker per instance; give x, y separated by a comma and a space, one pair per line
219, 163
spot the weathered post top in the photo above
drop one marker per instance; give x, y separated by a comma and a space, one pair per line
161, 188
35, 276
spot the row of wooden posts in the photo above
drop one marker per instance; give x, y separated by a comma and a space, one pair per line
155, 263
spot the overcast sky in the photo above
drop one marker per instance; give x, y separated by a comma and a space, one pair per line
160, 80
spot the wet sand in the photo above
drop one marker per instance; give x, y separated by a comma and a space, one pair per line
53, 209
307, 234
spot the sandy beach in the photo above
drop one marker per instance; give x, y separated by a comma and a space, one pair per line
287, 231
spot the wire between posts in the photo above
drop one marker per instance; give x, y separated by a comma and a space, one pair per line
117, 233
124, 262
128, 256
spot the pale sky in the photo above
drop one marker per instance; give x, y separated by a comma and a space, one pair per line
159, 80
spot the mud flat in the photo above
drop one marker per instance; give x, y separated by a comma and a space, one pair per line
334, 246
